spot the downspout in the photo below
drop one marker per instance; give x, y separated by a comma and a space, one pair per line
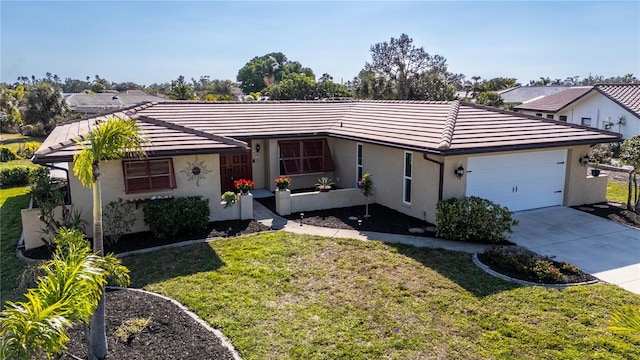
441, 167
68, 186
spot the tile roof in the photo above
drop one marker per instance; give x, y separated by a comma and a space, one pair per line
555, 102
626, 95
520, 94
183, 127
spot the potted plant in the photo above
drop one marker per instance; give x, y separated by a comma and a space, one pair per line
366, 186
243, 185
282, 182
324, 184
229, 198
595, 171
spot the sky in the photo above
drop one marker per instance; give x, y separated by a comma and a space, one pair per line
156, 41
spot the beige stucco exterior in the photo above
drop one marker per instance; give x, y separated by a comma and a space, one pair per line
112, 182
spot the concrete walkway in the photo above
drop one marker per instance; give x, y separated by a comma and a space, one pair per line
266, 217
603, 248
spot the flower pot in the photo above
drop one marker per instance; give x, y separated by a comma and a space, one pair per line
595, 172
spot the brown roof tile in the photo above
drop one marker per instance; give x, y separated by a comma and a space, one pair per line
626, 95
431, 126
555, 102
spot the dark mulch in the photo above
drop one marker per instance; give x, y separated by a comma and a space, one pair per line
613, 211
382, 219
145, 239
567, 277
171, 333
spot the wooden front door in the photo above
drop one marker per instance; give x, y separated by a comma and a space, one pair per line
234, 166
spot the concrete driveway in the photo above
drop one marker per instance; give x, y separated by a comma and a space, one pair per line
603, 248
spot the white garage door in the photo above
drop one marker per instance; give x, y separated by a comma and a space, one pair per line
519, 181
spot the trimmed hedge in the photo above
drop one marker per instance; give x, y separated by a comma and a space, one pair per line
166, 218
6, 154
473, 219
14, 176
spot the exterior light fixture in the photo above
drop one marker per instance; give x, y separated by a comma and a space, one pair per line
257, 148
301, 218
459, 172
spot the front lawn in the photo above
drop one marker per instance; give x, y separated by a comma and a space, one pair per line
285, 296
11, 202
617, 191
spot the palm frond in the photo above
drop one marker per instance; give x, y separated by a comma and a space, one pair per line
627, 319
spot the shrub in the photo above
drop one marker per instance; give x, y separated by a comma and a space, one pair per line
528, 263
6, 154
473, 219
169, 217
27, 149
545, 270
601, 153
119, 217
14, 176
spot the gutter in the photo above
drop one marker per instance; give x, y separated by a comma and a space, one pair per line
441, 181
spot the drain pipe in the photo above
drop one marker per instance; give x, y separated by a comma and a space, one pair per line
441, 166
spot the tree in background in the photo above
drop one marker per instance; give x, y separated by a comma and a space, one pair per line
111, 139
261, 72
181, 90
10, 100
400, 70
297, 86
45, 105
489, 98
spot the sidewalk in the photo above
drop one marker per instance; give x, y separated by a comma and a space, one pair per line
268, 218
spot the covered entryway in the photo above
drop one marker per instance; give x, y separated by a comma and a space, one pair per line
234, 166
519, 181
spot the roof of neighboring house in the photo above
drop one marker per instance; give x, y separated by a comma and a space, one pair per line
520, 94
188, 127
626, 95
555, 102
105, 102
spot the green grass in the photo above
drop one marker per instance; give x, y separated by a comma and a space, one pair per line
13, 141
11, 202
617, 191
286, 296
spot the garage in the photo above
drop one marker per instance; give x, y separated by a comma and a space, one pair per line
519, 181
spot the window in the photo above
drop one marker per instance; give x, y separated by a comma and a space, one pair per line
305, 156
538, 114
586, 121
550, 116
148, 175
563, 118
406, 188
358, 162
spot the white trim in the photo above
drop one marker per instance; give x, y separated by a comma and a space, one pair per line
406, 177
359, 167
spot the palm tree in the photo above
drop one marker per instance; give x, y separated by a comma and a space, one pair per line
68, 292
627, 319
112, 139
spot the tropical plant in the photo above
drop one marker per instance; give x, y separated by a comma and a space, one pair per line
630, 154
111, 139
68, 292
244, 185
324, 183
282, 182
627, 319
229, 198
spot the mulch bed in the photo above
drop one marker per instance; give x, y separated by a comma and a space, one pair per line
382, 219
171, 333
613, 211
567, 277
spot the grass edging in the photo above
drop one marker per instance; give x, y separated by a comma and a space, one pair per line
223, 339
492, 272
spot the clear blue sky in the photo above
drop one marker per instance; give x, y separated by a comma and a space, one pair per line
155, 41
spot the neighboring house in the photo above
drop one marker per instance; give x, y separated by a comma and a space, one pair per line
417, 152
101, 103
520, 94
614, 107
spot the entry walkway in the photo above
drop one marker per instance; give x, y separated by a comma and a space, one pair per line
603, 248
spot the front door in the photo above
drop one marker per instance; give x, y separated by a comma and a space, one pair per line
234, 166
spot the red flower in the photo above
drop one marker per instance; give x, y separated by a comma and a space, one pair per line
244, 185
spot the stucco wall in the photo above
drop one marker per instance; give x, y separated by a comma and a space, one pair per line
113, 188
327, 200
